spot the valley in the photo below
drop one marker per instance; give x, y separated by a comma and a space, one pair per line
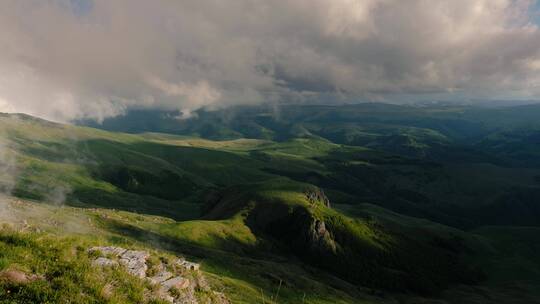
370, 203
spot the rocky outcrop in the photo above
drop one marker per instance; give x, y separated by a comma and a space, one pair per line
104, 262
135, 262
175, 282
161, 277
187, 265
317, 195
319, 238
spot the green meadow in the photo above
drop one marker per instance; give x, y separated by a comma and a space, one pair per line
358, 205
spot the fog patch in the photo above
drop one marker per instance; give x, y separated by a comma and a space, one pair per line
8, 169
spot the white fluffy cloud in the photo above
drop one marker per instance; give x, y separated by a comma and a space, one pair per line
66, 59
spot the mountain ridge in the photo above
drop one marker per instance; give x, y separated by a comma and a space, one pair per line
386, 213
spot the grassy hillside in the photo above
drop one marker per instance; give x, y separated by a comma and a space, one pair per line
166, 174
52, 241
303, 218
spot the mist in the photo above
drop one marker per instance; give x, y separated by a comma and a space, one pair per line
8, 170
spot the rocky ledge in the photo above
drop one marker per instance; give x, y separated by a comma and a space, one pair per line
178, 281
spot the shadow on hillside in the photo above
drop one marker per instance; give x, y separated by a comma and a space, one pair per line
259, 269
142, 177
156, 240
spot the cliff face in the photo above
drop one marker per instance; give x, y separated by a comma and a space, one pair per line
317, 196
362, 251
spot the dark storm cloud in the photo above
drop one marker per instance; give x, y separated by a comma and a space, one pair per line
67, 59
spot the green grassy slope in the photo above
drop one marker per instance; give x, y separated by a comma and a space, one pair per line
167, 175
323, 237
498, 147
242, 207
52, 241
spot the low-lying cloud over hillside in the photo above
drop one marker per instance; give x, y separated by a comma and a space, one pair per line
95, 58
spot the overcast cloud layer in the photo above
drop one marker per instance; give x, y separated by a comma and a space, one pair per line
65, 59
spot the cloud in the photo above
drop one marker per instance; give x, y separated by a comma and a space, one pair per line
195, 95
65, 59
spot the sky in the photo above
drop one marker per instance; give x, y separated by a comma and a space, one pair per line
536, 12
72, 59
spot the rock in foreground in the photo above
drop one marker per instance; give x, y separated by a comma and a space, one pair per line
175, 282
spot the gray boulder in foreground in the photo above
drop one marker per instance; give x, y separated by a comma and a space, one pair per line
176, 282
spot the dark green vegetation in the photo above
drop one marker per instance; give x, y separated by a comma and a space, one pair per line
460, 166
367, 203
